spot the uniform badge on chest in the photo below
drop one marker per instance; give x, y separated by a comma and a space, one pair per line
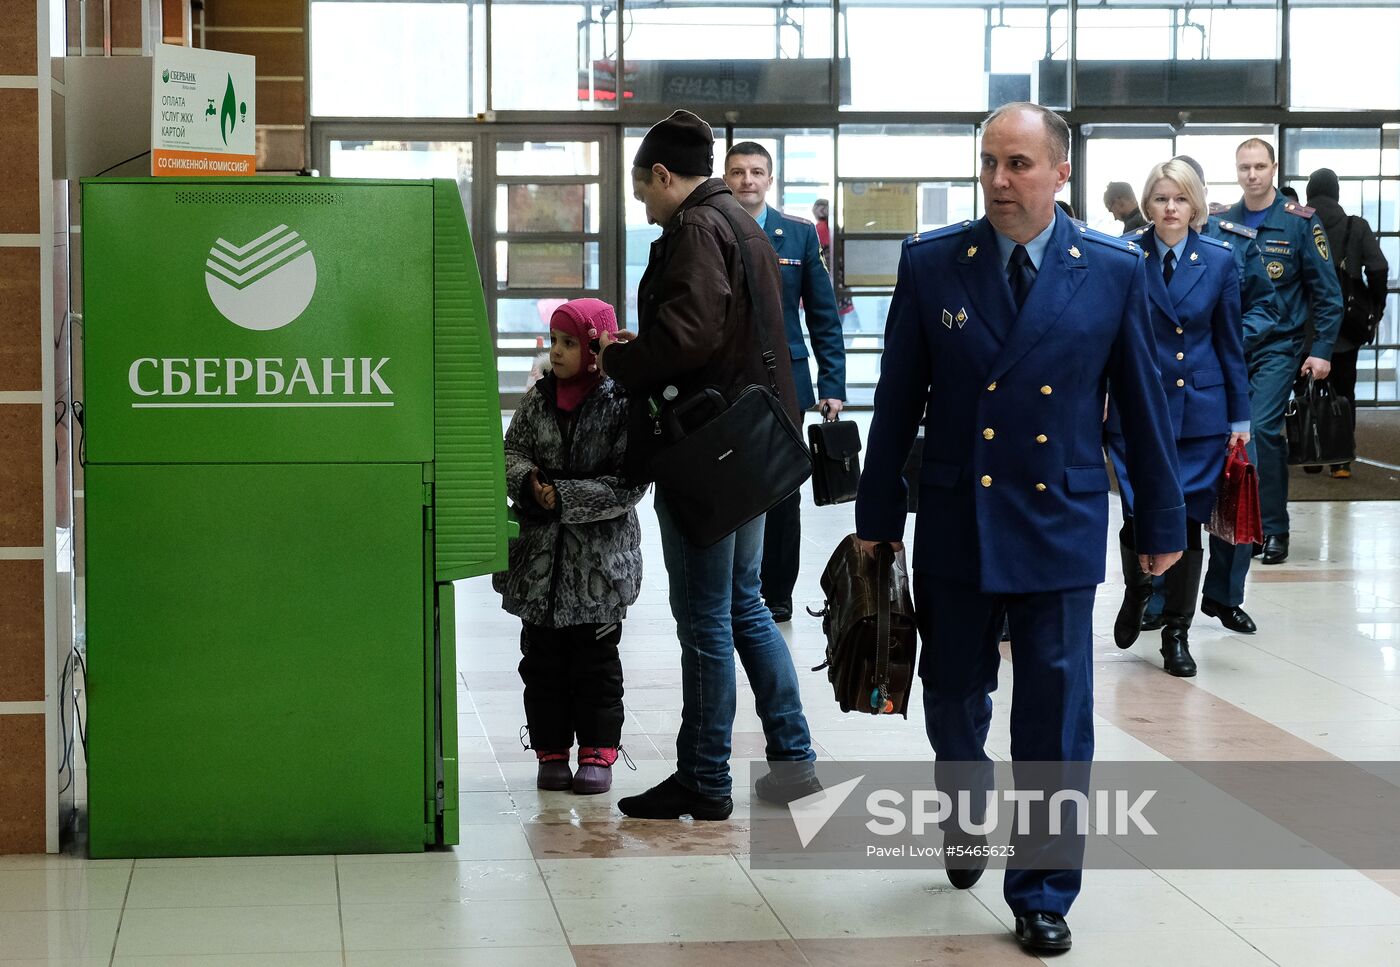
960, 318
1275, 270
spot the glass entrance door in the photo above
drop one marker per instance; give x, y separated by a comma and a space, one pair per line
548, 210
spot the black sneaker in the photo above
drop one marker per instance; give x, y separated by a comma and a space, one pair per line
671, 800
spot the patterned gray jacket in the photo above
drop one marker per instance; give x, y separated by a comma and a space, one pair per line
582, 562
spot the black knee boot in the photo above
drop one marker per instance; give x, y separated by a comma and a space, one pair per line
1183, 582
1137, 591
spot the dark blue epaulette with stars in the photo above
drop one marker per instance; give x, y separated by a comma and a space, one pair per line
1220, 243
1111, 241
1238, 229
947, 231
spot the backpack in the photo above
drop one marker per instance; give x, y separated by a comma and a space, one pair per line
1360, 316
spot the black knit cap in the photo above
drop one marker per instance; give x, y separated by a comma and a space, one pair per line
1324, 181
683, 143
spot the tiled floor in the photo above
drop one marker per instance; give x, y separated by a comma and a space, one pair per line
549, 878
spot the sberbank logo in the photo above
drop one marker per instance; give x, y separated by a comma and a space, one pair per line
264, 284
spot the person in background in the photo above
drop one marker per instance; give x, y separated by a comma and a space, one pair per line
1122, 204
1222, 595
1358, 256
1194, 291
748, 171
577, 564
1298, 259
821, 214
699, 314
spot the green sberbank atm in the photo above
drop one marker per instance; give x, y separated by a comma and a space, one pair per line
293, 446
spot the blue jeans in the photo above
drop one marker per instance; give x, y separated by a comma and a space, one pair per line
719, 610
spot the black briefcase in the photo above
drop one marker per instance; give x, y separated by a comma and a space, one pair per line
728, 462
1317, 425
835, 446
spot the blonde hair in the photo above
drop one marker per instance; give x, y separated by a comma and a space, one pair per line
1187, 180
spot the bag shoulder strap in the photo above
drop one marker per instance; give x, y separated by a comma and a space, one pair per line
884, 564
770, 359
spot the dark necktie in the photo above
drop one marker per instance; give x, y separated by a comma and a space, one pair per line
1021, 274
1168, 266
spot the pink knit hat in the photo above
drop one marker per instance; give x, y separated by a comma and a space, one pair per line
586, 320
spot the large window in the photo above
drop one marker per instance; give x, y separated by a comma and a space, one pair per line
398, 59
951, 56
1344, 58
1367, 163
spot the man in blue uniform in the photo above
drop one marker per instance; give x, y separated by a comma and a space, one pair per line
1222, 595
748, 171
1003, 335
1297, 258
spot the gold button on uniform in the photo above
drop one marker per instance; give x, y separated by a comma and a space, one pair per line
988, 433
1180, 355
1046, 391
992, 388
1179, 330
986, 480
1041, 438
1181, 382
1040, 487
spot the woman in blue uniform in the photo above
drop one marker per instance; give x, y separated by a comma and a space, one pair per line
1194, 290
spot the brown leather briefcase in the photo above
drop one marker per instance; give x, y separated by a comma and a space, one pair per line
871, 638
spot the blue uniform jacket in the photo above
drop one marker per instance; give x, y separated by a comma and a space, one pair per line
1257, 298
1196, 325
806, 283
1014, 492
1298, 260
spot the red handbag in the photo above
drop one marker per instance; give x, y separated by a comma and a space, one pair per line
1235, 516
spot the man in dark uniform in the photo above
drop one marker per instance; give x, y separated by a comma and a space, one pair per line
1003, 335
1297, 257
1222, 595
748, 171
1122, 204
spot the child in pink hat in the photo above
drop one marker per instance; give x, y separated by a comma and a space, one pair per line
577, 564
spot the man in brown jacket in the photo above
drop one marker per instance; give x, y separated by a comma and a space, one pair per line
697, 328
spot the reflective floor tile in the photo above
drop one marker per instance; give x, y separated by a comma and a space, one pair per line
664, 919
51, 935
650, 876
431, 926
229, 930
223, 885
386, 883
63, 888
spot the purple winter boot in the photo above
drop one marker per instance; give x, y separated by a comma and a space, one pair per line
594, 770
554, 771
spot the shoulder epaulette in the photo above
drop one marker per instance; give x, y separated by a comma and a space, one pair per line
1302, 211
1111, 241
947, 231
1219, 243
1239, 229
796, 218
1079, 223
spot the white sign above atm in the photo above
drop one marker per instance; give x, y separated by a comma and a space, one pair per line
202, 112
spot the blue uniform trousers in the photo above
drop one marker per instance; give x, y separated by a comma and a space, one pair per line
1273, 368
1052, 715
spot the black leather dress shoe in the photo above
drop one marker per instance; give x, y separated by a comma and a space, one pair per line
1231, 616
781, 611
1275, 549
1151, 622
968, 868
1042, 933
671, 800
